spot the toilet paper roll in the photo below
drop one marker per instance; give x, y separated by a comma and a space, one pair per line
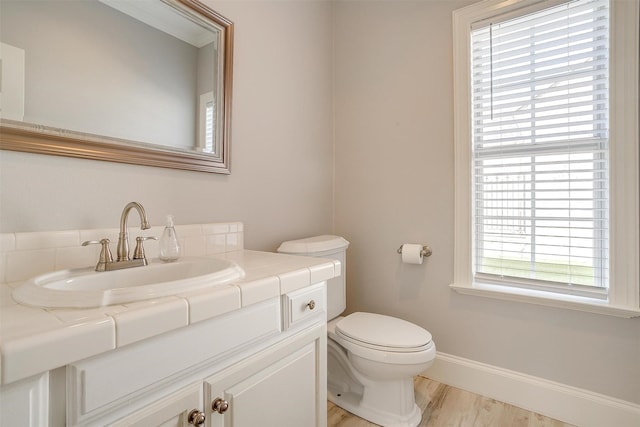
412, 253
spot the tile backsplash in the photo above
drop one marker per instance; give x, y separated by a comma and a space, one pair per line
24, 255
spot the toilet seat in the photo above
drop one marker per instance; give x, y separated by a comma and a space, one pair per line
384, 333
382, 338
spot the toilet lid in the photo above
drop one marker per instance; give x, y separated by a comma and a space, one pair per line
384, 332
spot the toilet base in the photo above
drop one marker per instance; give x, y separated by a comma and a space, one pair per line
387, 403
351, 402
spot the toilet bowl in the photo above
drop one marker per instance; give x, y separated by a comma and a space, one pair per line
371, 358
370, 373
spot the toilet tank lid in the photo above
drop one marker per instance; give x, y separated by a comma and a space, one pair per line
314, 245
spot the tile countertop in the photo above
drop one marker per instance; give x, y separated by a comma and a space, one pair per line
35, 340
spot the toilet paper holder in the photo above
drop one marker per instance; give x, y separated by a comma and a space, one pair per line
425, 252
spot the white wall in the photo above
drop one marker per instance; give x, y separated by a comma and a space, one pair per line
394, 184
281, 156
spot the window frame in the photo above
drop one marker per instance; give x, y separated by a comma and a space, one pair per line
623, 297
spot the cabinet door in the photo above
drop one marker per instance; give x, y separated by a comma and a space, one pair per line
171, 411
25, 403
272, 391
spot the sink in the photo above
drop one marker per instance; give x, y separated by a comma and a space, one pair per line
85, 288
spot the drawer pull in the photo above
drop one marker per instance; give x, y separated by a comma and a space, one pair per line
311, 305
220, 405
196, 418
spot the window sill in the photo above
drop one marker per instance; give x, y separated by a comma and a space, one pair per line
546, 299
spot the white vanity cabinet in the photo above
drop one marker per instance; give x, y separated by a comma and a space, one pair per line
265, 363
257, 343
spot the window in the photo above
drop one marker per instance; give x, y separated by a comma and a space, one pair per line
207, 123
536, 146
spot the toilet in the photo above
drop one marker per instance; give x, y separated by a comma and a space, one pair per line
371, 358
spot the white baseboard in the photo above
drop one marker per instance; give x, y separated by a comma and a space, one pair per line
569, 404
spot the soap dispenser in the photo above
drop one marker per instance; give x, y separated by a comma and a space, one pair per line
169, 246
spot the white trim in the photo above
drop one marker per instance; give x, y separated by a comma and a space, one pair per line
559, 401
549, 299
624, 293
625, 182
462, 132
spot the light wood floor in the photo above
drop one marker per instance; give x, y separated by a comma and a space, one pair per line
443, 405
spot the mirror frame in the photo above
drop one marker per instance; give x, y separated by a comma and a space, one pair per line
33, 138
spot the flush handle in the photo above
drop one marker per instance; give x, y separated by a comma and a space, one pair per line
311, 305
196, 417
220, 405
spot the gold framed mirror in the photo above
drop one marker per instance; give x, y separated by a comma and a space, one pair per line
143, 113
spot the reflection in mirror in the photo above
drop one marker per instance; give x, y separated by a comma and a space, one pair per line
136, 81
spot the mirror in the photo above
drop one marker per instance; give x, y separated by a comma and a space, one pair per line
144, 82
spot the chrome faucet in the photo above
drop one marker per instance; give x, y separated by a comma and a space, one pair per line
106, 262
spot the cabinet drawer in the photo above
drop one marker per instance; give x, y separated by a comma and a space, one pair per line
303, 304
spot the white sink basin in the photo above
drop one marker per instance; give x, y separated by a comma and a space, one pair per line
84, 288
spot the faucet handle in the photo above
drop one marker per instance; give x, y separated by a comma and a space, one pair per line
105, 253
138, 252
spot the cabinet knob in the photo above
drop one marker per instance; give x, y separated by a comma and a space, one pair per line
220, 405
196, 417
311, 305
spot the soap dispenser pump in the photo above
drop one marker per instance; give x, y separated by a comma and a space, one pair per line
169, 246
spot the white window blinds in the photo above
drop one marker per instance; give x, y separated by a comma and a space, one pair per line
209, 126
540, 144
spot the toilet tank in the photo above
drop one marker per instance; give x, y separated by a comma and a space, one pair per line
327, 246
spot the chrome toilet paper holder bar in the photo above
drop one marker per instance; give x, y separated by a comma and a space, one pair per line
425, 252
